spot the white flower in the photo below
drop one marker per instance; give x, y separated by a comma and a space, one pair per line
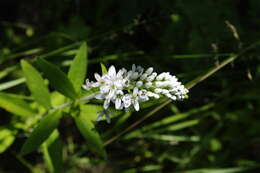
127, 100
143, 95
127, 89
88, 85
135, 100
139, 84
149, 70
148, 84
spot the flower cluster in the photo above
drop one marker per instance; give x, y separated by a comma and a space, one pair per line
126, 89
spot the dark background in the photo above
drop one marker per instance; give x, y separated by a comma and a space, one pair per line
151, 33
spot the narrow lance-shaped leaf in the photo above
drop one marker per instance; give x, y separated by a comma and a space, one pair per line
78, 68
103, 68
84, 122
36, 85
57, 78
16, 106
41, 132
12, 83
52, 150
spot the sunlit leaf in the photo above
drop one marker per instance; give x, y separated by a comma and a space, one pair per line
36, 85
15, 105
103, 68
12, 83
41, 132
6, 139
78, 68
57, 78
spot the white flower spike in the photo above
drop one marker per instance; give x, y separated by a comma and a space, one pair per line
126, 89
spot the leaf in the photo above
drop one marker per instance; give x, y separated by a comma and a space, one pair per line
78, 68
36, 85
6, 139
52, 150
16, 106
178, 126
12, 83
219, 170
86, 127
177, 117
57, 78
41, 132
103, 68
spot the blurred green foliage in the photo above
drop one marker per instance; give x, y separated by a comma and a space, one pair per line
216, 130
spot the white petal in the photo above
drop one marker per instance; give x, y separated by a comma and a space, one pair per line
111, 94
148, 84
119, 92
97, 76
96, 84
100, 96
112, 71
127, 100
139, 84
149, 70
136, 105
135, 92
86, 87
144, 76
118, 103
106, 103
133, 67
104, 89
120, 73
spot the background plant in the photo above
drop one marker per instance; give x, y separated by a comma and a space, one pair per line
48, 49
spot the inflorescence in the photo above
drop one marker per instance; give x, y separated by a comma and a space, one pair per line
126, 89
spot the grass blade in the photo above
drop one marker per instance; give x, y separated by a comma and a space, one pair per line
10, 84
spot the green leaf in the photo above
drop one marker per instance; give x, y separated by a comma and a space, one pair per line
41, 132
78, 68
57, 78
219, 170
84, 122
178, 126
52, 150
12, 83
36, 85
6, 139
177, 117
16, 106
103, 68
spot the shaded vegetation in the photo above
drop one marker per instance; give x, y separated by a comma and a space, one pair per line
212, 46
